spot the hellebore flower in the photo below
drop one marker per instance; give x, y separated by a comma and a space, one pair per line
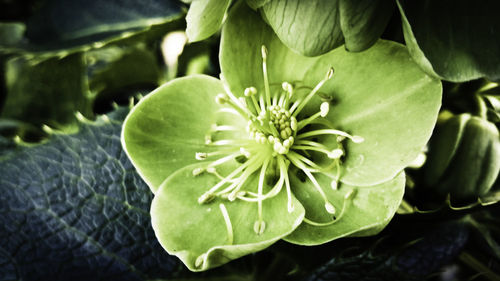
282, 147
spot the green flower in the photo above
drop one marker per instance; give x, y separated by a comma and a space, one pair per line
282, 147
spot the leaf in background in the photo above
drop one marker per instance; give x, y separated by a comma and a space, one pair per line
423, 249
117, 72
65, 26
48, 92
363, 21
74, 208
454, 40
204, 18
255, 4
359, 23
291, 20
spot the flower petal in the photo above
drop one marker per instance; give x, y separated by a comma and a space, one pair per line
367, 212
166, 128
382, 96
197, 233
240, 53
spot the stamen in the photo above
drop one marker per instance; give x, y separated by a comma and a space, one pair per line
200, 260
260, 225
324, 108
201, 156
347, 198
264, 70
355, 139
336, 153
284, 170
229, 227
303, 103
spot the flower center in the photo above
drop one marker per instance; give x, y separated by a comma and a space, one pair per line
276, 140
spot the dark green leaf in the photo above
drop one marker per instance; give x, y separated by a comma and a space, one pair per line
75, 209
61, 25
363, 21
48, 92
423, 249
454, 40
315, 27
115, 71
292, 22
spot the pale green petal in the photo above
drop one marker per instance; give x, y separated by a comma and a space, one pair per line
166, 128
367, 212
190, 230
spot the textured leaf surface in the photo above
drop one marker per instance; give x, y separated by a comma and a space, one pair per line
358, 23
454, 40
291, 20
75, 209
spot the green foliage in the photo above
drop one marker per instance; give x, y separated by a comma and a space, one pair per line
207, 229
464, 158
358, 23
205, 18
73, 207
453, 40
306, 137
59, 82
60, 26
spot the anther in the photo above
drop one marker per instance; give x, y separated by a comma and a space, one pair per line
200, 260
293, 123
336, 153
286, 87
259, 227
201, 156
329, 74
250, 91
349, 195
357, 139
330, 208
198, 171
205, 198
334, 185
221, 99
324, 108
263, 50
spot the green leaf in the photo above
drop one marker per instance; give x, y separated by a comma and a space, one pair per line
74, 208
362, 22
48, 92
165, 130
112, 70
379, 94
291, 20
366, 211
204, 18
60, 26
453, 40
255, 4
198, 233
359, 23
